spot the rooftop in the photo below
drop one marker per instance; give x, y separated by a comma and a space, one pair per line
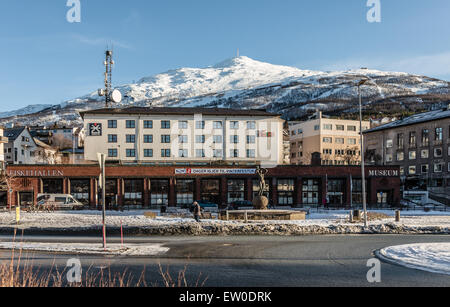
13, 133
181, 111
413, 120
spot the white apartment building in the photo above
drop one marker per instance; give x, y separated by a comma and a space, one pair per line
337, 140
184, 136
21, 146
3, 141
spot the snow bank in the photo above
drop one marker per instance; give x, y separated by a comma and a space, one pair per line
430, 257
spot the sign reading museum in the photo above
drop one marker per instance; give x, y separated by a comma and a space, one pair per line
384, 173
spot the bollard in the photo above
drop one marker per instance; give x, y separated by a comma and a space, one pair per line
351, 216
357, 214
397, 215
228, 215
246, 216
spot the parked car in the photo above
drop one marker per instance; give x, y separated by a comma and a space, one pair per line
59, 202
236, 205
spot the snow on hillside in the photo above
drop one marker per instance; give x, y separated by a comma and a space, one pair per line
27, 110
246, 83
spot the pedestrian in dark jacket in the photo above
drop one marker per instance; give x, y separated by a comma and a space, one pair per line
197, 212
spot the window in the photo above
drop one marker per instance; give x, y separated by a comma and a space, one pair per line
286, 189
251, 139
218, 153
200, 153
200, 125
328, 127
400, 156
130, 124
200, 139
112, 124
340, 127
251, 125
80, 190
310, 192
112, 153
148, 153
400, 141
234, 153
217, 125
412, 139
183, 139
183, 153
182, 124
159, 192
234, 139
112, 138
402, 171
131, 138
340, 141
352, 141
234, 125
218, 139
425, 168
165, 153
165, 124
412, 170
327, 151
185, 192
328, 140
148, 138
438, 152
300, 131
425, 154
389, 158
357, 195
131, 153
412, 155
317, 127
236, 190
133, 189
165, 139
351, 128
438, 167
251, 153
425, 137
439, 136
389, 143
148, 124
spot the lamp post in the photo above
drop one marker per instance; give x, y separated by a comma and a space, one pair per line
363, 171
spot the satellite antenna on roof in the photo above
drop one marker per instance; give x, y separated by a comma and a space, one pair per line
107, 92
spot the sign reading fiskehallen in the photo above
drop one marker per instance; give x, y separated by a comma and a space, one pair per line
36, 173
384, 173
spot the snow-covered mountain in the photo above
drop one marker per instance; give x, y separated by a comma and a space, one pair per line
245, 83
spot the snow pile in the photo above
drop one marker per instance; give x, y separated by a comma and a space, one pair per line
430, 257
88, 249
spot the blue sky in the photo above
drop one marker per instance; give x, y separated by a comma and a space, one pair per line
45, 59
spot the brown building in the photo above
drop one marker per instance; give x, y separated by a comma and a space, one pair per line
420, 145
140, 186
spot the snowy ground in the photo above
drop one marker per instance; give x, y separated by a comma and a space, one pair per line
137, 218
89, 249
430, 257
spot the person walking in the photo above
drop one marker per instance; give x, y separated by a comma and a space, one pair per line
197, 212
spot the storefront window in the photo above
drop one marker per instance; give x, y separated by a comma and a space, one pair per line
336, 191
236, 190
111, 193
310, 192
133, 192
53, 186
210, 191
286, 188
357, 196
185, 192
159, 192
80, 190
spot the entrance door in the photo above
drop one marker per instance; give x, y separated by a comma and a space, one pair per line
210, 191
26, 199
383, 198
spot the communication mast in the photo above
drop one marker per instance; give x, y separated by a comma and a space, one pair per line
110, 95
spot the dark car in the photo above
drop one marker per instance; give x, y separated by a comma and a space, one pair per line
236, 205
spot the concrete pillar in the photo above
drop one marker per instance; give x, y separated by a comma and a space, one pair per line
172, 196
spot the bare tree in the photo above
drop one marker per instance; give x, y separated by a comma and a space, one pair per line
8, 182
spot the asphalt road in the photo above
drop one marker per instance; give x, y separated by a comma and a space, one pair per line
256, 261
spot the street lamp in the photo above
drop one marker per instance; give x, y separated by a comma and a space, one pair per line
363, 171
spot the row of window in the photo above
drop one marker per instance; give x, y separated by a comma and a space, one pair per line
424, 154
166, 124
182, 139
182, 153
438, 138
350, 141
425, 169
341, 152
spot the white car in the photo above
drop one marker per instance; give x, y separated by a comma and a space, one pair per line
59, 201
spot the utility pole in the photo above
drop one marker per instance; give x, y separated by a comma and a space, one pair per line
101, 160
363, 171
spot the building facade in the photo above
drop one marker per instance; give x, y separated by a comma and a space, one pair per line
338, 141
3, 141
420, 145
165, 136
21, 146
140, 186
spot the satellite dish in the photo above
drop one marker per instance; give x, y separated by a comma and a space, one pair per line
116, 96
101, 92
